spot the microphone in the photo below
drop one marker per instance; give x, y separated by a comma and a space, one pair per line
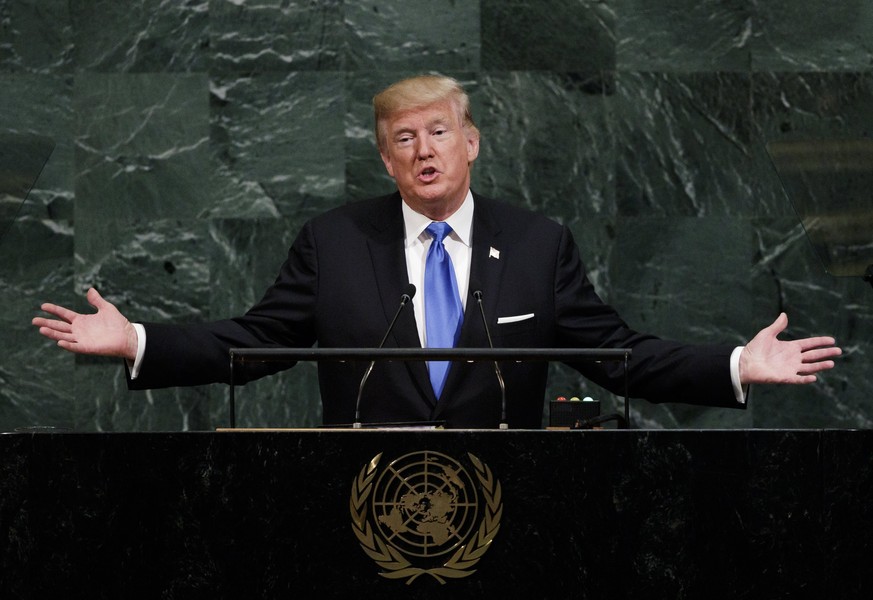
477, 294
408, 294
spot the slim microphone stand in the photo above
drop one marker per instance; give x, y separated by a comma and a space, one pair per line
503, 424
404, 300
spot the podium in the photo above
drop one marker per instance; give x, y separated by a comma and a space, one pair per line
434, 514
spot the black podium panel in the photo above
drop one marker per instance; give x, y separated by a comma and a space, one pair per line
427, 514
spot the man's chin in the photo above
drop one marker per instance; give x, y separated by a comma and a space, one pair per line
435, 206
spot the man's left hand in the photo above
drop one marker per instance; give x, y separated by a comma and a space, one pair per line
766, 359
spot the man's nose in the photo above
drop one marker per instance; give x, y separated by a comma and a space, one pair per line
424, 149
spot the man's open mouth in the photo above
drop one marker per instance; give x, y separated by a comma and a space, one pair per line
428, 174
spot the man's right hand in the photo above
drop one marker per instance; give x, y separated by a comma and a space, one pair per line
106, 332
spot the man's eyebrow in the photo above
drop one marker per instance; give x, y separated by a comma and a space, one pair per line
402, 131
441, 120
444, 120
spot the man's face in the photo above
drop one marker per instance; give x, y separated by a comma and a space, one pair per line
428, 153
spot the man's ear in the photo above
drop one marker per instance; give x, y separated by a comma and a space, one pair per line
472, 145
386, 160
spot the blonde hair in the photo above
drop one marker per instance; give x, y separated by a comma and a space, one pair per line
417, 92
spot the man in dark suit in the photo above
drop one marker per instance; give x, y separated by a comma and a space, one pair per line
346, 272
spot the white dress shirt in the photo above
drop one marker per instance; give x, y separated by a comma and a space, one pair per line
458, 244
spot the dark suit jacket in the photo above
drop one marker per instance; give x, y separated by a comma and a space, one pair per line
342, 283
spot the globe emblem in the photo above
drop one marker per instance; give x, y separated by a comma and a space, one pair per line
425, 504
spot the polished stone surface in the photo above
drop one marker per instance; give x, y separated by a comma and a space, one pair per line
597, 514
192, 141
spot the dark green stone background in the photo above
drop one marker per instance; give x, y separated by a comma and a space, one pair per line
194, 139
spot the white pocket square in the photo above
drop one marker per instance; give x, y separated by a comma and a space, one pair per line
514, 319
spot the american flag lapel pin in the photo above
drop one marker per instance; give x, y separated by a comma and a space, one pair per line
494, 253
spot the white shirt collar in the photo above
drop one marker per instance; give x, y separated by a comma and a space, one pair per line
461, 222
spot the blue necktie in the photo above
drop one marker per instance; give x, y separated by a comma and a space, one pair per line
442, 303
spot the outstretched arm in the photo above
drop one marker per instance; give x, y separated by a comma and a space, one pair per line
766, 359
106, 332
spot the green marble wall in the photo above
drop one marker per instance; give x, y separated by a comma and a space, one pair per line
194, 138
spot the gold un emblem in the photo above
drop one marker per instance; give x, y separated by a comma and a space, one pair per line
424, 513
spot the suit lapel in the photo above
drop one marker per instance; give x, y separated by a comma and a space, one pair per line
389, 265
486, 269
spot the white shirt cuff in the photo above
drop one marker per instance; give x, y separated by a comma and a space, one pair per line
740, 391
140, 351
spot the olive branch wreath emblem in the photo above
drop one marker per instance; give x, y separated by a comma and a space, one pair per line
393, 561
